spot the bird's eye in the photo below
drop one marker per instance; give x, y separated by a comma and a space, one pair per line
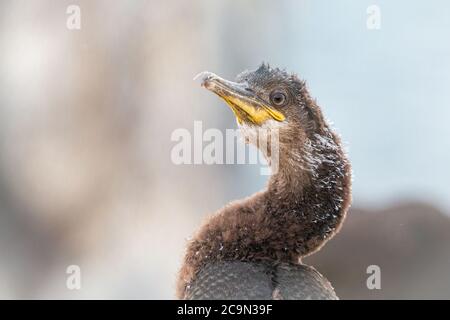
278, 98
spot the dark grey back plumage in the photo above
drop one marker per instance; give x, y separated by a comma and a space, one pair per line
235, 280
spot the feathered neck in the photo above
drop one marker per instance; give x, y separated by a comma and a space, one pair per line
313, 184
302, 207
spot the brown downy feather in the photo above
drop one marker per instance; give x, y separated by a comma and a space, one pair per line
303, 206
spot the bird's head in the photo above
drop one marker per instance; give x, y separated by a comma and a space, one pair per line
269, 98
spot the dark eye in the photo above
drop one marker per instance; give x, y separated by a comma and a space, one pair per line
278, 98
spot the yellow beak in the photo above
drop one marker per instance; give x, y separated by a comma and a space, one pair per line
246, 106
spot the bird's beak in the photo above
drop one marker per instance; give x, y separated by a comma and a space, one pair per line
247, 107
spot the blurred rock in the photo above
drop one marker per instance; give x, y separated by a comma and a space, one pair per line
410, 242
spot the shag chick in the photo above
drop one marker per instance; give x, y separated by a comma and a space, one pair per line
252, 248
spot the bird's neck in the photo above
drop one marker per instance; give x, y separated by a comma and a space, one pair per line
303, 206
307, 197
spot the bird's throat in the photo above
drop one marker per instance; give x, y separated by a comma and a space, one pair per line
309, 195
302, 207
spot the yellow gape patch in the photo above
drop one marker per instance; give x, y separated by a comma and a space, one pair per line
243, 110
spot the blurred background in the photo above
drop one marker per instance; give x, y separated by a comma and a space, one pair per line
86, 118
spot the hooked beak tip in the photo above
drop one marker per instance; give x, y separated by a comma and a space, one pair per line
206, 78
